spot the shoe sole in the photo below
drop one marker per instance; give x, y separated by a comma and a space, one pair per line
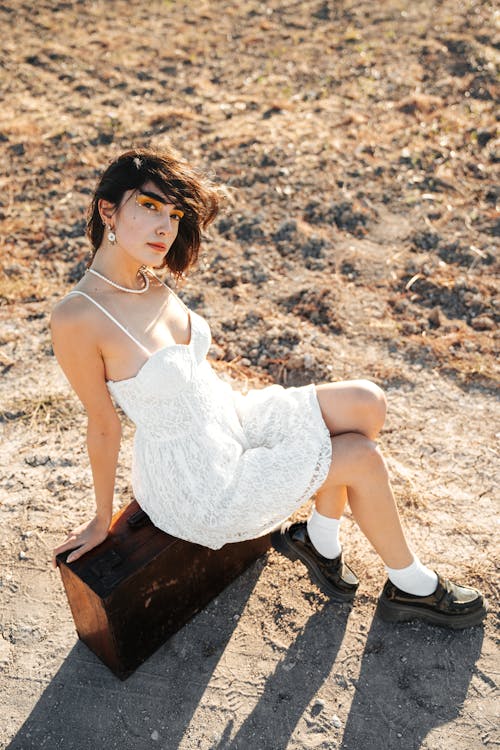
390, 612
279, 542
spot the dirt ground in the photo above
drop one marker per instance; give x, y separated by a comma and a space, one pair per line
359, 144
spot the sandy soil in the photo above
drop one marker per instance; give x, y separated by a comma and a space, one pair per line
359, 144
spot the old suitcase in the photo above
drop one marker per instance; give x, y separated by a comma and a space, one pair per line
139, 586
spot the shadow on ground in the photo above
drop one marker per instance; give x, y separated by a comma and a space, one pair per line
86, 707
292, 686
413, 678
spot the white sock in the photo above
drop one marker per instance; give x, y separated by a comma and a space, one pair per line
415, 579
324, 534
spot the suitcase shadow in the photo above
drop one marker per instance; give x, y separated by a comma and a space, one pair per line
413, 678
86, 707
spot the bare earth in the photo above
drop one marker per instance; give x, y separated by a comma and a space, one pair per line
359, 144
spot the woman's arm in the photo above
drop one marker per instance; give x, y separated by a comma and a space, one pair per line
103, 446
77, 351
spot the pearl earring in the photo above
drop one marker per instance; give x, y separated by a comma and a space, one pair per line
111, 236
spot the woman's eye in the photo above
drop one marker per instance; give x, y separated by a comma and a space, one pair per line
151, 205
147, 203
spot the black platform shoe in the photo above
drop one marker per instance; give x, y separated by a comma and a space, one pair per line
333, 577
450, 606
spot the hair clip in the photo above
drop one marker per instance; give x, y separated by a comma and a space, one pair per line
137, 161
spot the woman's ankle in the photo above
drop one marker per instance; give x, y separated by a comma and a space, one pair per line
414, 579
324, 534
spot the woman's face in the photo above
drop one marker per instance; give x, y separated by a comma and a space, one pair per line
146, 224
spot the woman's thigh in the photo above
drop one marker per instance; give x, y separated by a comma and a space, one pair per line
352, 406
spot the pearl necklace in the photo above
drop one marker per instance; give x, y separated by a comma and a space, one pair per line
124, 288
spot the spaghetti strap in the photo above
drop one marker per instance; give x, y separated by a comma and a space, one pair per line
76, 291
170, 290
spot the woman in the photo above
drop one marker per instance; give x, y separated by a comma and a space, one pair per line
211, 465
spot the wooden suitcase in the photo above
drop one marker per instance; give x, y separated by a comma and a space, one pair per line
138, 587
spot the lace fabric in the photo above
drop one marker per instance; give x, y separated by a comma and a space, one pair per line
213, 465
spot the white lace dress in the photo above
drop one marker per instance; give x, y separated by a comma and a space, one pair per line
210, 464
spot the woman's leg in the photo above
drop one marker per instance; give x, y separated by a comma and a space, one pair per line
349, 406
354, 413
358, 465
352, 406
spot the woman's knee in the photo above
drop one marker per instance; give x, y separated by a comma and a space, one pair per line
352, 406
359, 449
372, 403
354, 456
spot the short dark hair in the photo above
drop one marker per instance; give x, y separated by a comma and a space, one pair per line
193, 193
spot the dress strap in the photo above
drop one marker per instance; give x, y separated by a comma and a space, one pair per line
76, 291
170, 290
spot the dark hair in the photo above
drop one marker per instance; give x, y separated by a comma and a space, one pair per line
189, 191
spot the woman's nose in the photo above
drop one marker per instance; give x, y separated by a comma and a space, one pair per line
166, 224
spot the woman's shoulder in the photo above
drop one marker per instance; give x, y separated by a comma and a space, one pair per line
75, 332
73, 307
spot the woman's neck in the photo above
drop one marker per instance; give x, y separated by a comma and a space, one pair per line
122, 271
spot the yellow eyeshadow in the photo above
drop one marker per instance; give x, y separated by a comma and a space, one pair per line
143, 200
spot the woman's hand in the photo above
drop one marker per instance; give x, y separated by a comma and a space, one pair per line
83, 539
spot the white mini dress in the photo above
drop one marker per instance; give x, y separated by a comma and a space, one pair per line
212, 465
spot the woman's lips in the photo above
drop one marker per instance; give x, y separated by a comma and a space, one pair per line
157, 246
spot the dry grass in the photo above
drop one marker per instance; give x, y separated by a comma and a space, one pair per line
47, 413
23, 288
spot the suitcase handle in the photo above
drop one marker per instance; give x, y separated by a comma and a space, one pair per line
138, 519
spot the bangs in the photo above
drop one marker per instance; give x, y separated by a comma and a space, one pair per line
173, 190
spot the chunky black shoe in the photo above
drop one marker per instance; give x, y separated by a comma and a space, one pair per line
450, 606
333, 577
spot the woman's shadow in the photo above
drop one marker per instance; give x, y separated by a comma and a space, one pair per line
413, 678
293, 685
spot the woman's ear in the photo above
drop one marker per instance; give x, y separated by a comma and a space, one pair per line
106, 210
